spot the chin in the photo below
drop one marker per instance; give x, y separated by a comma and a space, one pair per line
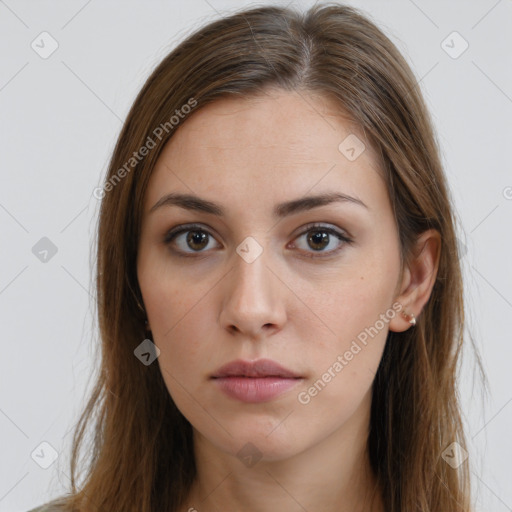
259, 440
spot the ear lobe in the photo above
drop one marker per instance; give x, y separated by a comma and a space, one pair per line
418, 279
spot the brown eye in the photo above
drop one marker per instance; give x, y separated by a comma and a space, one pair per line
195, 241
318, 240
320, 237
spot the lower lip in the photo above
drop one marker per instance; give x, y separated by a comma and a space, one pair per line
255, 389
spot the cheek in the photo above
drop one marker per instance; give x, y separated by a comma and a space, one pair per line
182, 360
172, 298
173, 307
178, 327
345, 303
343, 366
355, 308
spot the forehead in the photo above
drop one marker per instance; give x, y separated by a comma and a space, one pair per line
277, 142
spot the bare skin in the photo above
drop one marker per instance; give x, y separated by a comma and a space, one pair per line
212, 306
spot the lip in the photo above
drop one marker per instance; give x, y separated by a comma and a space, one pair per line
258, 368
255, 381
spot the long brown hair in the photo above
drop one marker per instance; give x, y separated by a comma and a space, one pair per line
141, 456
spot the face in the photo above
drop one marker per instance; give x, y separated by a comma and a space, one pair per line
310, 288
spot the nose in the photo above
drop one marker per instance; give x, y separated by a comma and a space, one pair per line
253, 305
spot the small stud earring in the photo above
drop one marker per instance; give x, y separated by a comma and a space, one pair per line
411, 318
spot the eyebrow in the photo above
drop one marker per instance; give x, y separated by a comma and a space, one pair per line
196, 203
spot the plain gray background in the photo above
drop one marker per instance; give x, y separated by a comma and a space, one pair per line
60, 117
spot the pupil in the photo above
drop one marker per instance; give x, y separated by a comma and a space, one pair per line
320, 237
195, 237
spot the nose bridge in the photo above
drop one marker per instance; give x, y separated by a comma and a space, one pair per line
251, 301
251, 277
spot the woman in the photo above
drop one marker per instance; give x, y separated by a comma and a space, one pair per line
279, 289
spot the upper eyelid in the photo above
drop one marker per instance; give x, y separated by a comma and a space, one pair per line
204, 227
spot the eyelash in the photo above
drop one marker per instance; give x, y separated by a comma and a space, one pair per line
173, 233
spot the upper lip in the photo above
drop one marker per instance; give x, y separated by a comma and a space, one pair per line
259, 368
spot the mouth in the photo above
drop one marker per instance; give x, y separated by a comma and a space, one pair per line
261, 368
255, 382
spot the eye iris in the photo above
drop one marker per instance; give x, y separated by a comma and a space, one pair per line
319, 237
196, 237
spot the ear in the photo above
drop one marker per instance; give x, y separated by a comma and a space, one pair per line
418, 279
